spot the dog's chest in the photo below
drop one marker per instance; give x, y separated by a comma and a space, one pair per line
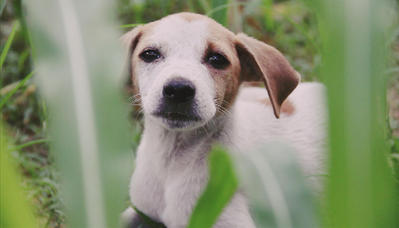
165, 174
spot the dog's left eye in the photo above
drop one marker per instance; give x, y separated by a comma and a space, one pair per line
217, 60
150, 55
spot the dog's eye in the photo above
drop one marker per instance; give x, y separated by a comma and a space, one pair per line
150, 55
217, 60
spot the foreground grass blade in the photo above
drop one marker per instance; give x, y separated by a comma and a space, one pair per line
361, 189
277, 190
221, 187
14, 209
7, 46
78, 60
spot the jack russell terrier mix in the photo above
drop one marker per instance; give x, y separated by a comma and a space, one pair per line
186, 71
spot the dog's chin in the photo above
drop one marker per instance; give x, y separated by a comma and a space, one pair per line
179, 122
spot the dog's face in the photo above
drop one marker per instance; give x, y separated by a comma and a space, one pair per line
186, 69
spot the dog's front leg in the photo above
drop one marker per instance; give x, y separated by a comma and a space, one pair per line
183, 188
182, 193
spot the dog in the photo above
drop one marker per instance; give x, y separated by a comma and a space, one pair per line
188, 74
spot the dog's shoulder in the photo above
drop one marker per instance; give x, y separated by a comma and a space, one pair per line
302, 122
307, 98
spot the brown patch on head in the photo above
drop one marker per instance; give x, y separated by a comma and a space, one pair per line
131, 42
287, 107
227, 80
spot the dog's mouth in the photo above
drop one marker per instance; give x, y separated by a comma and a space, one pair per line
178, 120
177, 116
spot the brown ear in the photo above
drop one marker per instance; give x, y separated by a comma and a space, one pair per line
260, 61
130, 41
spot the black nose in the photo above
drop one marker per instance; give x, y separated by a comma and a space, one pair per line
179, 91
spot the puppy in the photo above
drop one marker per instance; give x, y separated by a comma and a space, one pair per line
186, 71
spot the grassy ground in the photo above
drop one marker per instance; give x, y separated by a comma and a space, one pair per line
290, 26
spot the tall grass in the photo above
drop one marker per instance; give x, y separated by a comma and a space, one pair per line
361, 190
78, 65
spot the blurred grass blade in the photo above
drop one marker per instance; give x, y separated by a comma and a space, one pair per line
7, 46
2, 6
83, 106
277, 190
30, 143
4, 100
267, 10
361, 188
221, 187
79, 61
219, 11
204, 5
14, 209
129, 25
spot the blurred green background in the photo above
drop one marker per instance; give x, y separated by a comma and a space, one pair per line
291, 26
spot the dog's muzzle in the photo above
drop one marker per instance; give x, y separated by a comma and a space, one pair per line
178, 103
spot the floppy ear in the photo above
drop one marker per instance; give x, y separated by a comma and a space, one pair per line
260, 61
130, 41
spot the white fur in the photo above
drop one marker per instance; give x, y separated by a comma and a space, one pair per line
171, 165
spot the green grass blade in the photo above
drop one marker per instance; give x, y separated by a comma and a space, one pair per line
219, 11
14, 209
4, 100
79, 73
221, 187
129, 25
361, 188
30, 143
7, 46
278, 192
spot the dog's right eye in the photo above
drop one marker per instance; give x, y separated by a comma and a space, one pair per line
150, 55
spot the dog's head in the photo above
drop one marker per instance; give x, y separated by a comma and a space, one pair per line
186, 68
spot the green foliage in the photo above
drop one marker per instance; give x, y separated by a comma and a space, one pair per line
220, 188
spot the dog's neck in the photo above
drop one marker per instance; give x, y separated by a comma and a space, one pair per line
173, 144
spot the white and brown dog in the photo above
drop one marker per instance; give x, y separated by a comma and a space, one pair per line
186, 71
